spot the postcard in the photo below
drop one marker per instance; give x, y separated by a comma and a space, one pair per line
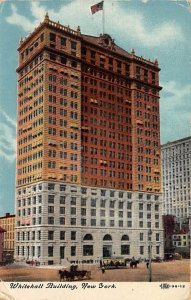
95, 143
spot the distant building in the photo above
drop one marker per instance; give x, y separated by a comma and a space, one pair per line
7, 222
2, 231
176, 179
181, 242
169, 227
88, 180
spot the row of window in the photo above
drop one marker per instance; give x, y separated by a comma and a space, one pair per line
87, 251
84, 222
84, 191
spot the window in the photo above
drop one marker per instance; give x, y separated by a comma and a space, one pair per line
157, 249
50, 220
83, 201
52, 37
73, 250
141, 236
73, 200
62, 221
74, 64
73, 45
125, 249
107, 237
62, 199
157, 237
141, 250
73, 210
51, 209
62, 250
88, 237
50, 251
156, 207
62, 187
62, 235
83, 211
111, 213
149, 224
93, 202
93, 222
112, 204
51, 186
50, 198
87, 250
73, 221
125, 237
63, 60
83, 222
50, 235
62, 210
102, 222
120, 204
63, 41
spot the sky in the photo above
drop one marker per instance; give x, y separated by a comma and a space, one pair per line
154, 28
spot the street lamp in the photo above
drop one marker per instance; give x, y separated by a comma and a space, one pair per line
150, 254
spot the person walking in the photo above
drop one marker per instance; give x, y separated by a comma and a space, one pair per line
147, 264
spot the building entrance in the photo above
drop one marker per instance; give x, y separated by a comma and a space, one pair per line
107, 251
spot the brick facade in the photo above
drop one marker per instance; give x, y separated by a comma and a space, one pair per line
88, 119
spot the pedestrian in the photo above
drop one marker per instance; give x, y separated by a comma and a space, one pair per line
103, 270
147, 263
100, 263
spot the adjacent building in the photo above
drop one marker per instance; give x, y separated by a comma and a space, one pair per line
181, 242
176, 177
88, 149
2, 231
7, 222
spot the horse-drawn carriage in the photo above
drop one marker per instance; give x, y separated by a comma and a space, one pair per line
73, 274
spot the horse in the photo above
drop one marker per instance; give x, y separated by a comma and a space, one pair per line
133, 264
69, 276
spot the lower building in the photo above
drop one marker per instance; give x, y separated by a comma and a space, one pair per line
2, 231
7, 222
181, 242
82, 224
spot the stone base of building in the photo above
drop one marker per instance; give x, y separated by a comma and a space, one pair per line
77, 224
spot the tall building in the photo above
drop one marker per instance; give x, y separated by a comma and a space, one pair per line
88, 149
176, 172
7, 222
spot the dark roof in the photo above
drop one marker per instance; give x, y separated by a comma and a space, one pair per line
96, 41
7, 216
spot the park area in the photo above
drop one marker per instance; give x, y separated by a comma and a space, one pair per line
173, 271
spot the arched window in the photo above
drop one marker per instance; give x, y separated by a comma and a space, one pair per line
107, 237
125, 237
88, 237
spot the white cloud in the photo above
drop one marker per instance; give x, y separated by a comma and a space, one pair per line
17, 19
7, 137
128, 23
175, 111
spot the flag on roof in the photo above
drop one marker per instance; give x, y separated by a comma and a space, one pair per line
97, 7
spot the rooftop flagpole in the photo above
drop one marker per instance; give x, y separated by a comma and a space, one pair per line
97, 7
103, 18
